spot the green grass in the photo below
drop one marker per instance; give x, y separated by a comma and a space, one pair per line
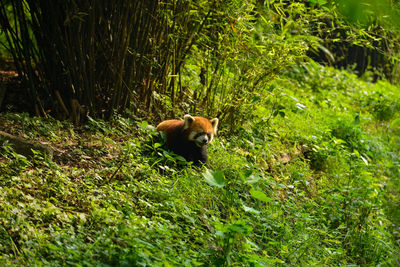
311, 178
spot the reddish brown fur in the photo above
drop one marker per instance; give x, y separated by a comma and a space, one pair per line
179, 140
173, 127
201, 124
170, 127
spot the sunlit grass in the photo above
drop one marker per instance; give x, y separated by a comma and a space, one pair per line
312, 184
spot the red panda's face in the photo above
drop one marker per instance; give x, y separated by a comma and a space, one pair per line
200, 130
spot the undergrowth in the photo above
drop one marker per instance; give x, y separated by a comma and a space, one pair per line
311, 178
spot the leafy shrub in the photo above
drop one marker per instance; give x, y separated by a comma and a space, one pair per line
383, 107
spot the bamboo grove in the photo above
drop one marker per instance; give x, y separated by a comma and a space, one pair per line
166, 58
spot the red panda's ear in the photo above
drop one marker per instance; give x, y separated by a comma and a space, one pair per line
214, 123
188, 120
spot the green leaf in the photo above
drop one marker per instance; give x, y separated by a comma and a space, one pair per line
357, 119
364, 160
180, 158
249, 209
214, 178
395, 123
252, 179
260, 195
143, 124
156, 145
300, 106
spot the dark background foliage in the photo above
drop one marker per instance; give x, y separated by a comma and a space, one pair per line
80, 57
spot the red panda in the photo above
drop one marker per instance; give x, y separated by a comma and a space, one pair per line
189, 137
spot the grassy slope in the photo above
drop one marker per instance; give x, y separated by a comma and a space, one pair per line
311, 179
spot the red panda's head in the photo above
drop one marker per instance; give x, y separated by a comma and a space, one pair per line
200, 130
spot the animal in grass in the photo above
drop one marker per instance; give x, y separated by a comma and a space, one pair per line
189, 137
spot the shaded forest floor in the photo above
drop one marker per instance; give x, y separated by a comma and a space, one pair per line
11, 89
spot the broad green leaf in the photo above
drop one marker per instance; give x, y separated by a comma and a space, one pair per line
260, 195
214, 178
252, 179
249, 209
